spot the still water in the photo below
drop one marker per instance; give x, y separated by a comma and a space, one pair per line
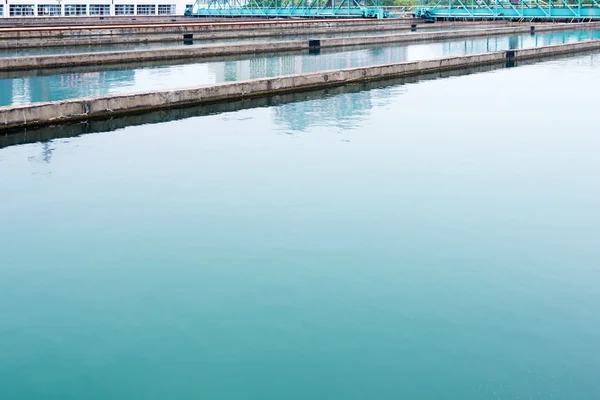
97, 81
37, 51
436, 240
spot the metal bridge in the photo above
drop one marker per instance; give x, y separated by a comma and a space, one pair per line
519, 10
287, 8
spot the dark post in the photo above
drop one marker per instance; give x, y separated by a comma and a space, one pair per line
413, 28
314, 46
188, 38
510, 58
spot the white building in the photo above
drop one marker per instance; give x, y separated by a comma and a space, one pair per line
92, 8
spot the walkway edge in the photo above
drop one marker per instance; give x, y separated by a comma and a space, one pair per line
191, 52
107, 106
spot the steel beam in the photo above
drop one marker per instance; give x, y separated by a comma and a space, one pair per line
566, 10
288, 8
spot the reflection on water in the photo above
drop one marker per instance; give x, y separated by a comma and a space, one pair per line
60, 87
340, 107
391, 249
29, 89
45, 155
212, 42
322, 102
343, 111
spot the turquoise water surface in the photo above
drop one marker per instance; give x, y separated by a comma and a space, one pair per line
50, 85
435, 240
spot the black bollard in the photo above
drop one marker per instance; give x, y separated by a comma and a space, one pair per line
188, 38
314, 46
510, 58
413, 28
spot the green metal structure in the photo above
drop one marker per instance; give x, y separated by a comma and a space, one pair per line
287, 8
519, 10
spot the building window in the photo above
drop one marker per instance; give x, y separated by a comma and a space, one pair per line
166, 9
75, 9
124, 9
146, 9
49, 9
21, 10
99, 9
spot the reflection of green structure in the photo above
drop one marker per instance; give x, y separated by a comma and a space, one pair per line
75, 85
287, 8
529, 10
5, 92
341, 110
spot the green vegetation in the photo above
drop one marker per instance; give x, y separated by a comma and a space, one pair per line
398, 3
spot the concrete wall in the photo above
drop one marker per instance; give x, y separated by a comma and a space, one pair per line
107, 106
45, 133
193, 25
44, 37
131, 56
94, 20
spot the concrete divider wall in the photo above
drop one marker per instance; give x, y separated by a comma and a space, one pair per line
73, 37
106, 106
120, 57
102, 125
199, 27
123, 36
137, 38
46, 21
255, 27
129, 56
138, 33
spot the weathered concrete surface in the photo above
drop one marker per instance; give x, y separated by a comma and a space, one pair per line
49, 36
45, 133
107, 106
191, 27
199, 27
108, 20
129, 56
180, 53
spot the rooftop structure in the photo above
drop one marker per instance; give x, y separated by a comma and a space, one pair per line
82, 8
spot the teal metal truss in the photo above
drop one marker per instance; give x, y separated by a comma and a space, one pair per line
287, 8
524, 10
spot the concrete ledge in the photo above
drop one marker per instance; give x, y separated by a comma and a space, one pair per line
56, 21
131, 56
199, 26
112, 105
77, 36
45, 37
139, 33
190, 52
100, 125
